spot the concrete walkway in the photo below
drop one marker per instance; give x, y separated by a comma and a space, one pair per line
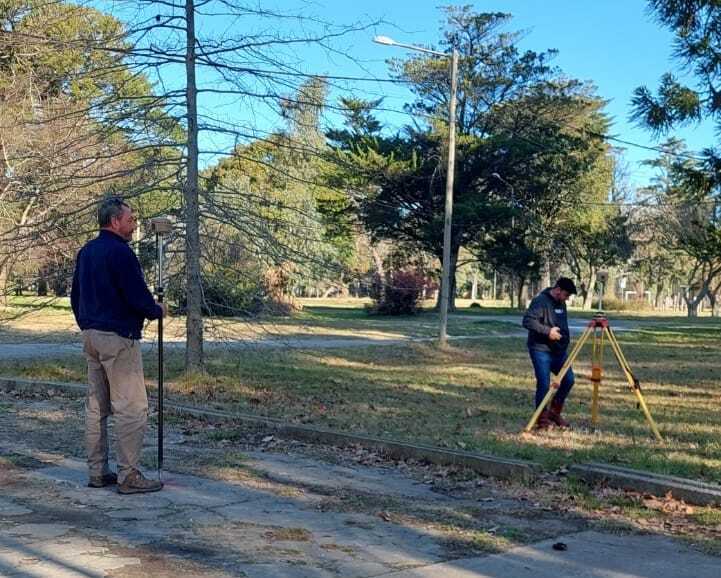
266, 513
56, 527
65, 529
589, 555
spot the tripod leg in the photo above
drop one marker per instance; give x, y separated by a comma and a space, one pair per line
621, 357
555, 385
632, 382
596, 371
594, 402
595, 375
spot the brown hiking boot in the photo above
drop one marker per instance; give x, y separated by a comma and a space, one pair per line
543, 421
136, 483
554, 415
108, 479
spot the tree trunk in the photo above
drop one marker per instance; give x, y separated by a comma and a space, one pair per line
194, 293
42, 284
545, 275
5, 274
588, 297
452, 284
659, 294
713, 301
693, 303
378, 262
582, 294
520, 304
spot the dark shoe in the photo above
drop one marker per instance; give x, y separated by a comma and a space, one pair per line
554, 415
544, 421
136, 483
109, 479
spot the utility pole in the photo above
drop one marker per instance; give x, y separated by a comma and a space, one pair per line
194, 295
446, 280
446, 283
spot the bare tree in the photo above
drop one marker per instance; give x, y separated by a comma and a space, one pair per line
133, 126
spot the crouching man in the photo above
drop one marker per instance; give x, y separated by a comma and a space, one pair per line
110, 301
548, 338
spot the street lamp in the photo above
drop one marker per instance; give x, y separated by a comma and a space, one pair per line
446, 274
513, 197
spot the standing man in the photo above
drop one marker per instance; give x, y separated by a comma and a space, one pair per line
110, 301
548, 339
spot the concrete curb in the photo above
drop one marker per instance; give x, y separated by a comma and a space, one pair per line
502, 468
690, 491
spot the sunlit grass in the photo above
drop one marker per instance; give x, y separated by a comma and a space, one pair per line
475, 396
50, 320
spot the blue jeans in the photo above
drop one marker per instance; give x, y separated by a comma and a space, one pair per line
545, 362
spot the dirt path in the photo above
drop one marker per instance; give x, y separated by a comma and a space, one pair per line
42, 350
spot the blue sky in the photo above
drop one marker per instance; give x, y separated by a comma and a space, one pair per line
615, 44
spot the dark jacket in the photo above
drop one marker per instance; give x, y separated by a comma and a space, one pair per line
109, 292
543, 313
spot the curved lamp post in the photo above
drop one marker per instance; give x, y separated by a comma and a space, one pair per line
448, 219
513, 197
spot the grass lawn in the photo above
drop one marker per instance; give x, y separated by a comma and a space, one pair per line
28, 319
476, 396
49, 319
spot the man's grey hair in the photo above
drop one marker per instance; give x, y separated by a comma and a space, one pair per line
109, 208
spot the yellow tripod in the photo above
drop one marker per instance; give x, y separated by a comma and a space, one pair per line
600, 328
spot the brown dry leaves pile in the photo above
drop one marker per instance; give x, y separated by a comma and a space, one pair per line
663, 515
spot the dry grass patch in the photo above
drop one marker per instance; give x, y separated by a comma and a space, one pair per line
605, 507
288, 535
339, 548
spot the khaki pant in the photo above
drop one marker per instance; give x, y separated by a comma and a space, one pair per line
116, 386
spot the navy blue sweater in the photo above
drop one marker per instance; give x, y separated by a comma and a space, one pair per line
109, 292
